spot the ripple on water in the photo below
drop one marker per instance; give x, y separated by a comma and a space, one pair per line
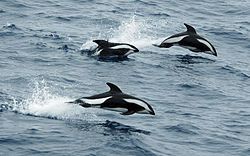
183, 129
2, 11
234, 71
115, 126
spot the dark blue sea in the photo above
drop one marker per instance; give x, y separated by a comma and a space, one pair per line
202, 102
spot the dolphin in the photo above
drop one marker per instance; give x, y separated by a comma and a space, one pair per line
116, 100
189, 40
110, 49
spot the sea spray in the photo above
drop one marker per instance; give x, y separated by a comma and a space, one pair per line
44, 103
133, 31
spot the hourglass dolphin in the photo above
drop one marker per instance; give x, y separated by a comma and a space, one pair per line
116, 100
110, 49
189, 40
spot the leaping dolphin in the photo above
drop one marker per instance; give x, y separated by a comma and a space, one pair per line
189, 40
116, 100
110, 49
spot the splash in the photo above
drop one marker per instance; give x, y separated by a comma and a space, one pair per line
133, 31
130, 31
44, 103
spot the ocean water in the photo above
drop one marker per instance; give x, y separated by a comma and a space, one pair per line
202, 102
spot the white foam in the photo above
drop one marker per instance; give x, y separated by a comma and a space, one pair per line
46, 104
88, 46
132, 31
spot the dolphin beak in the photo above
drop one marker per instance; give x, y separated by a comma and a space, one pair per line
215, 53
152, 112
136, 50
211, 53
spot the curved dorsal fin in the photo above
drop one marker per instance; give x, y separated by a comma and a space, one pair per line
190, 28
114, 88
101, 42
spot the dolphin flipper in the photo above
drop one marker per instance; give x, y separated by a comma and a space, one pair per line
81, 103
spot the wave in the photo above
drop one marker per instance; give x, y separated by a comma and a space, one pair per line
9, 29
10, 26
231, 70
115, 126
184, 129
2, 11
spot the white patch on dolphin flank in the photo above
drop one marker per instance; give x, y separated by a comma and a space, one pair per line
207, 44
122, 47
95, 101
138, 102
174, 39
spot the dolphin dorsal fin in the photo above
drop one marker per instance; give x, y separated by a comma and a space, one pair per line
190, 28
101, 42
113, 88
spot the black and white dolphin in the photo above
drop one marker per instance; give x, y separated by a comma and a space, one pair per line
189, 40
116, 100
109, 49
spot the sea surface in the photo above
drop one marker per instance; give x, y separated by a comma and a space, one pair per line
202, 102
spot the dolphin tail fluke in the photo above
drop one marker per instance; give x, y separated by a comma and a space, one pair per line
156, 45
163, 45
80, 102
70, 102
